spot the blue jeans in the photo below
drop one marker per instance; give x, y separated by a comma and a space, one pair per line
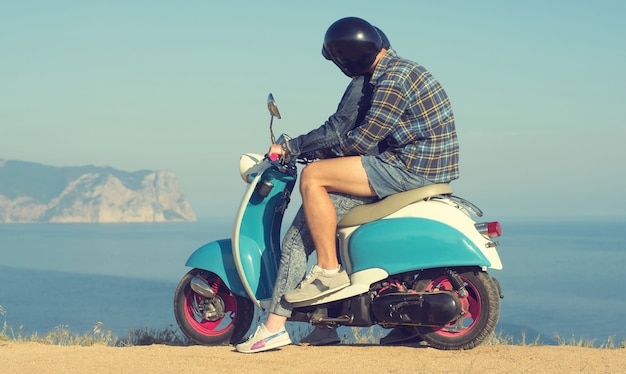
297, 246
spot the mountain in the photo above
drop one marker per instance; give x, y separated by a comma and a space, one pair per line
37, 193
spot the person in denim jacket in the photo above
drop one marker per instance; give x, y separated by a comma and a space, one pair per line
323, 142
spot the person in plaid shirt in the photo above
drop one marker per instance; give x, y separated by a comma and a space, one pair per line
410, 116
406, 140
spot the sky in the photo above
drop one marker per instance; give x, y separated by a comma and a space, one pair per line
537, 88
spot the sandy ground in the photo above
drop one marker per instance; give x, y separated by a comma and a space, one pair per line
38, 358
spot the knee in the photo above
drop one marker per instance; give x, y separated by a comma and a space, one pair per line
308, 172
308, 177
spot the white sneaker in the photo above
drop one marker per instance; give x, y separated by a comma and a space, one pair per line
264, 340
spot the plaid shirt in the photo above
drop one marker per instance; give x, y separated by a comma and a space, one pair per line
410, 112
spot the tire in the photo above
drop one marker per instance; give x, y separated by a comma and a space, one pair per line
481, 306
229, 329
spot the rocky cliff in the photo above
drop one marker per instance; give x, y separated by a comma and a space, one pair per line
36, 193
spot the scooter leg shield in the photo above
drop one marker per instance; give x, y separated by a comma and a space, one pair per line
217, 257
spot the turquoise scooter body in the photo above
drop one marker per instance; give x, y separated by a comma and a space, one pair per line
431, 244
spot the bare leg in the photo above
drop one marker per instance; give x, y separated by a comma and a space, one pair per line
275, 322
345, 175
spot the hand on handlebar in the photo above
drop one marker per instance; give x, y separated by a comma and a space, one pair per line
276, 152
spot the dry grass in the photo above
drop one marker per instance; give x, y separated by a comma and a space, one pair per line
171, 336
61, 335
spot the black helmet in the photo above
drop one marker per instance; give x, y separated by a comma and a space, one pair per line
386, 42
352, 44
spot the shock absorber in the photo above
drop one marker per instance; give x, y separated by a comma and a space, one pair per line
456, 282
202, 287
216, 286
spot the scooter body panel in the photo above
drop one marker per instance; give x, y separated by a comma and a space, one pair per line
449, 213
398, 245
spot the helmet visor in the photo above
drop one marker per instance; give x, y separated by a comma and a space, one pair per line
326, 54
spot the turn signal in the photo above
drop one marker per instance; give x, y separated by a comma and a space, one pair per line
489, 229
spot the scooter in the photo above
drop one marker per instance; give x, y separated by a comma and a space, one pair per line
415, 259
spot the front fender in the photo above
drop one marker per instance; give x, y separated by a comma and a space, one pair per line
217, 257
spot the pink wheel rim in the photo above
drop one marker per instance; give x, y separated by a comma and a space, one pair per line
210, 328
471, 305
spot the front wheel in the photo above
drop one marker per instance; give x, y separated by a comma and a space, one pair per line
480, 305
220, 320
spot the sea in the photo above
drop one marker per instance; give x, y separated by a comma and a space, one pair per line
562, 278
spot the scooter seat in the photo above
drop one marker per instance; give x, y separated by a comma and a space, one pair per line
382, 208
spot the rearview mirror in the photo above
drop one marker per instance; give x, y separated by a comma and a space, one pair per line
271, 106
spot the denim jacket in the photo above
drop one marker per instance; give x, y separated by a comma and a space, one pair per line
326, 141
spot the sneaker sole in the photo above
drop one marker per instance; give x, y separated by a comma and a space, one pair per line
321, 294
268, 347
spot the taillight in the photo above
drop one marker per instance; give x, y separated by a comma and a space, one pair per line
489, 229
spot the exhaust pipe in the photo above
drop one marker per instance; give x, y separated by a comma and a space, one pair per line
202, 288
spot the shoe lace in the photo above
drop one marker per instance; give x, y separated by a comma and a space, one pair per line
311, 276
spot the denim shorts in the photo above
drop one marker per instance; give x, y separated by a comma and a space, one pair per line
387, 179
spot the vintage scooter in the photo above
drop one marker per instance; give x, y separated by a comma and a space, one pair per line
415, 259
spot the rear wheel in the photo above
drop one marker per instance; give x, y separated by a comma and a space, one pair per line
480, 305
220, 320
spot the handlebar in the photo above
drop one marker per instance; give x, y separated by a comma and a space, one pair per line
274, 156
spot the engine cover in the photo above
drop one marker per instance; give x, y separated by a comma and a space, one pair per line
421, 308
